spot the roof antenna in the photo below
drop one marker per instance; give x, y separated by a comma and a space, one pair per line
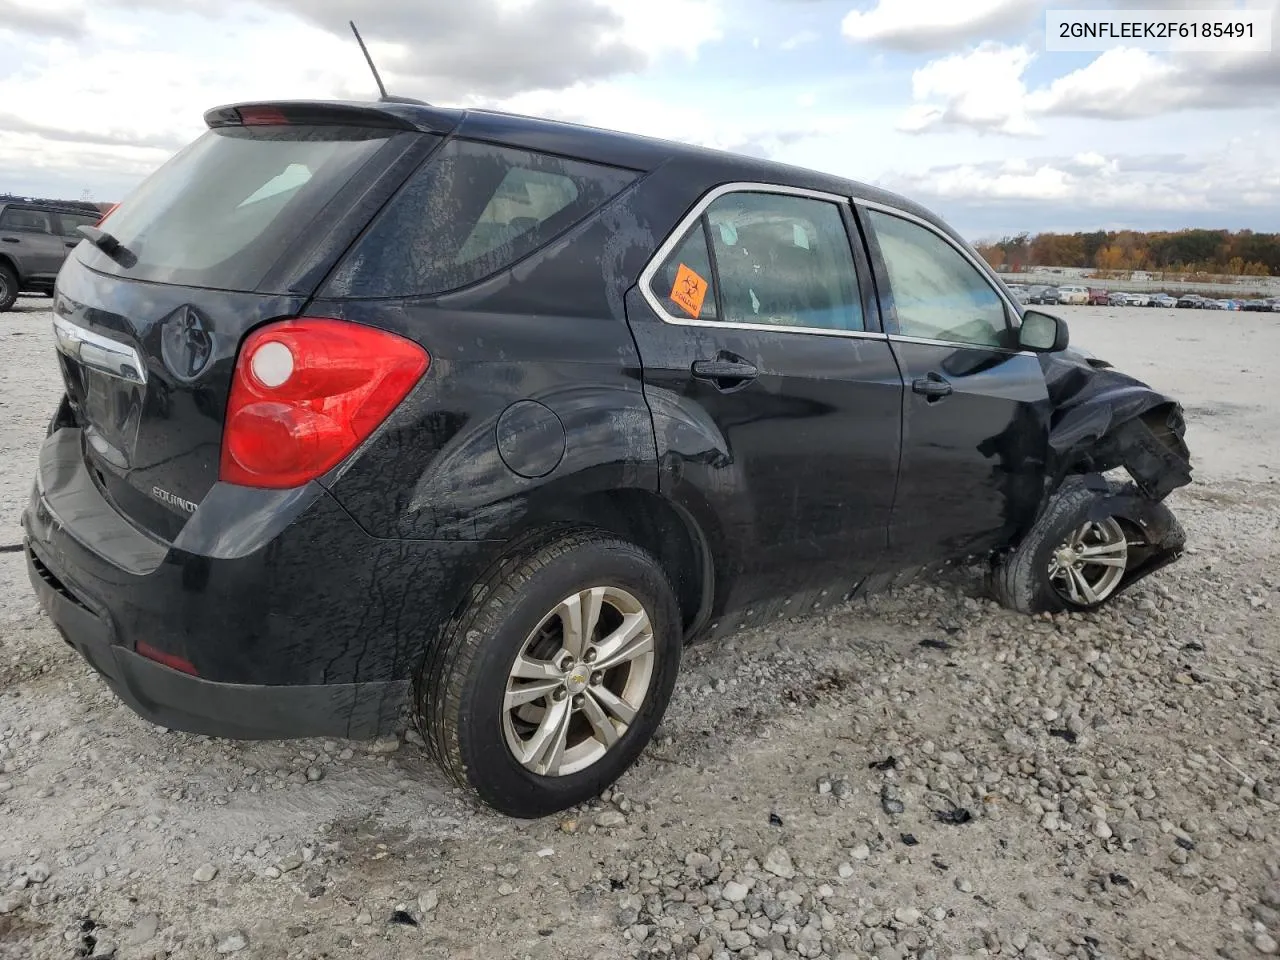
385, 97
365, 50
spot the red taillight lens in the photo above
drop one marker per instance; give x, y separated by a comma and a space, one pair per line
110, 210
306, 393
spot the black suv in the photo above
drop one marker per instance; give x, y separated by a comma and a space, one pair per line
35, 238
375, 406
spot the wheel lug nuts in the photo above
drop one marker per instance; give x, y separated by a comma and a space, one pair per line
560, 694
590, 656
578, 701
566, 664
597, 678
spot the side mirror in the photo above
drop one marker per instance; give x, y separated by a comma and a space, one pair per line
1043, 333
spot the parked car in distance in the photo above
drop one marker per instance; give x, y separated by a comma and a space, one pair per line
1190, 301
1073, 294
1132, 299
1116, 299
1043, 295
1162, 300
35, 237
1019, 291
471, 468
1098, 297
1217, 304
1267, 305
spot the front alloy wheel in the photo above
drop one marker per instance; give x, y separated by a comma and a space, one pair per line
1089, 565
579, 681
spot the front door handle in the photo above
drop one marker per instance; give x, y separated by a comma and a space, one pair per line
73, 243
726, 372
10, 239
933, 387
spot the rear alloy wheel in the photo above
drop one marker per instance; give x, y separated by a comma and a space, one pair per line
549, 685
580, 682
8, 287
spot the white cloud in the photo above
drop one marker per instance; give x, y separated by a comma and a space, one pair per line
982, 89
1119, 83
1220, 180
935, 24
985, 89
803, 38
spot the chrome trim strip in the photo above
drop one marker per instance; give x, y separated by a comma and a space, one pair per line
958, 344
677, 234
99, 353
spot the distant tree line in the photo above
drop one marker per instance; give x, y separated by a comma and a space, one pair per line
1243, 253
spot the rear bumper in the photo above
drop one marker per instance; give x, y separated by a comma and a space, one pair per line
292, 620
242, 711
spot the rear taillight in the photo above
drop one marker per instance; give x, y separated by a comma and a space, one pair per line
306, 393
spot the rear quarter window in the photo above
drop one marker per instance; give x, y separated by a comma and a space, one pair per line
472, 210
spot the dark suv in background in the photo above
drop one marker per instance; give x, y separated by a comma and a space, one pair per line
383, 406
35, 237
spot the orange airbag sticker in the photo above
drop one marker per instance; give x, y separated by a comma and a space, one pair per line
689, 291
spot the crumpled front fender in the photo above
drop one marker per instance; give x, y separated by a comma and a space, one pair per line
1101, 419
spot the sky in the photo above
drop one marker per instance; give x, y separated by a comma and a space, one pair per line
954, 103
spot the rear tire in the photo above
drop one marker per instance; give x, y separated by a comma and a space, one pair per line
499, 685
8, 287
1038, 576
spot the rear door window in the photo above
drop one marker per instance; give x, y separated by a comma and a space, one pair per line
221, 211
685, 283
780, 260
473, 209
29, 221
784, 260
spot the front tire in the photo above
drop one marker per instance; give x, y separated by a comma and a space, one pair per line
548, 686
8, 287
1070, 559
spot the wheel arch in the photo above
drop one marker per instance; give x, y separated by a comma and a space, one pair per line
651, 521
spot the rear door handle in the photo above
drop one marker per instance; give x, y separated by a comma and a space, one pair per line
933, 387
10, 239
726, 372
73, 243
724, 369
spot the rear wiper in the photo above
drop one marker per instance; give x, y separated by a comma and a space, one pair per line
108, 244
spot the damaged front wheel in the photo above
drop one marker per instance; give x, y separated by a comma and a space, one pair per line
1092, 541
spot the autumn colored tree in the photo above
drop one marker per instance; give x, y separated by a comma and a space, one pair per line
1189, 251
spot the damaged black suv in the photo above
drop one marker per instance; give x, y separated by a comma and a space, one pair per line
380, 406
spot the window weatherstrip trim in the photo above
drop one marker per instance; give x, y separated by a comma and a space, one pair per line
682, 228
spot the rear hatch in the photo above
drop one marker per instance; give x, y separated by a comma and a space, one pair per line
237, 229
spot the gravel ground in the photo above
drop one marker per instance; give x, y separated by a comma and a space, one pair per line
925, 775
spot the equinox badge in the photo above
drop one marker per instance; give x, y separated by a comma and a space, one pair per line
173, 500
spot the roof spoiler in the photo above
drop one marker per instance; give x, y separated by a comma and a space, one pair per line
393, 113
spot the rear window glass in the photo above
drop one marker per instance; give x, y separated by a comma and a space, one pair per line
219, 213
473, 209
